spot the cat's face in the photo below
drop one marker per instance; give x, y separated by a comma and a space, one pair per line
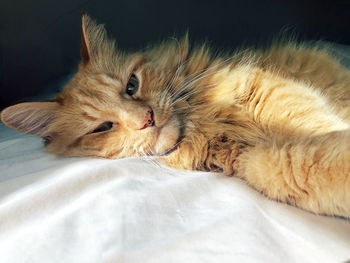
117, 104
114, 116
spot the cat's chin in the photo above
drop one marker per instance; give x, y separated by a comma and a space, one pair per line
167, 138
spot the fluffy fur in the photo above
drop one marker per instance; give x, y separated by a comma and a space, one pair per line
278, 119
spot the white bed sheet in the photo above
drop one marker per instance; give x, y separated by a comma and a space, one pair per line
93, 210
77, 210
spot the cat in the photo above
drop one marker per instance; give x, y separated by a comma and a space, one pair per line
276, 118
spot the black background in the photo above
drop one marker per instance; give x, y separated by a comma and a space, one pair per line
40, 39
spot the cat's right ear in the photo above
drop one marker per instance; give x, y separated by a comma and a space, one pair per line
93, 37
85, 21
31, 117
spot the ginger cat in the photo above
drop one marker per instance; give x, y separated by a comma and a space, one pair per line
278, 119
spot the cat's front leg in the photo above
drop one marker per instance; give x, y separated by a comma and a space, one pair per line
312, 173
218, 154
222, 155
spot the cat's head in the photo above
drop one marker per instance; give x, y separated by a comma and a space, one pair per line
117, 104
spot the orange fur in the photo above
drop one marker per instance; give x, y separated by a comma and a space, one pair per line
278, 119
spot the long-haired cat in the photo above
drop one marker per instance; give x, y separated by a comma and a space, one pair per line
278, 119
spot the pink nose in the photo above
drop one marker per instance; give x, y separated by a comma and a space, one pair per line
148, 120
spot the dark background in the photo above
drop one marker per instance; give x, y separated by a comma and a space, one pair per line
40, 39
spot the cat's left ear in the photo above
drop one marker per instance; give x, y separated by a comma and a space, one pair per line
31, 117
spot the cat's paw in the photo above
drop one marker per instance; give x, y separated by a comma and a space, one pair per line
222, 155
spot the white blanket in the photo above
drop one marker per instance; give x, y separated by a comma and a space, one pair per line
93, 210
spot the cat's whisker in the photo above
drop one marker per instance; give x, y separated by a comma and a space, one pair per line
180, 110
198, 78
169, 87
145, 156
193, 78
152, 157
177, 73
192, 92
190, 84
171, 148
209, 68
140, 153
150, 150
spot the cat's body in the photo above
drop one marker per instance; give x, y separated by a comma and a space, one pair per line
278, 119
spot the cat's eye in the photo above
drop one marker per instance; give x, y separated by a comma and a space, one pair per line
104, 127
133, 85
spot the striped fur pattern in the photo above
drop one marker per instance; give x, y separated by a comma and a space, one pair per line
277, 118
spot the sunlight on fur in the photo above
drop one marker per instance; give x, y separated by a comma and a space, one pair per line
277, 118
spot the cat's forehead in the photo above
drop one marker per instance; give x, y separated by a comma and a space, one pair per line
92, 87
101, 83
